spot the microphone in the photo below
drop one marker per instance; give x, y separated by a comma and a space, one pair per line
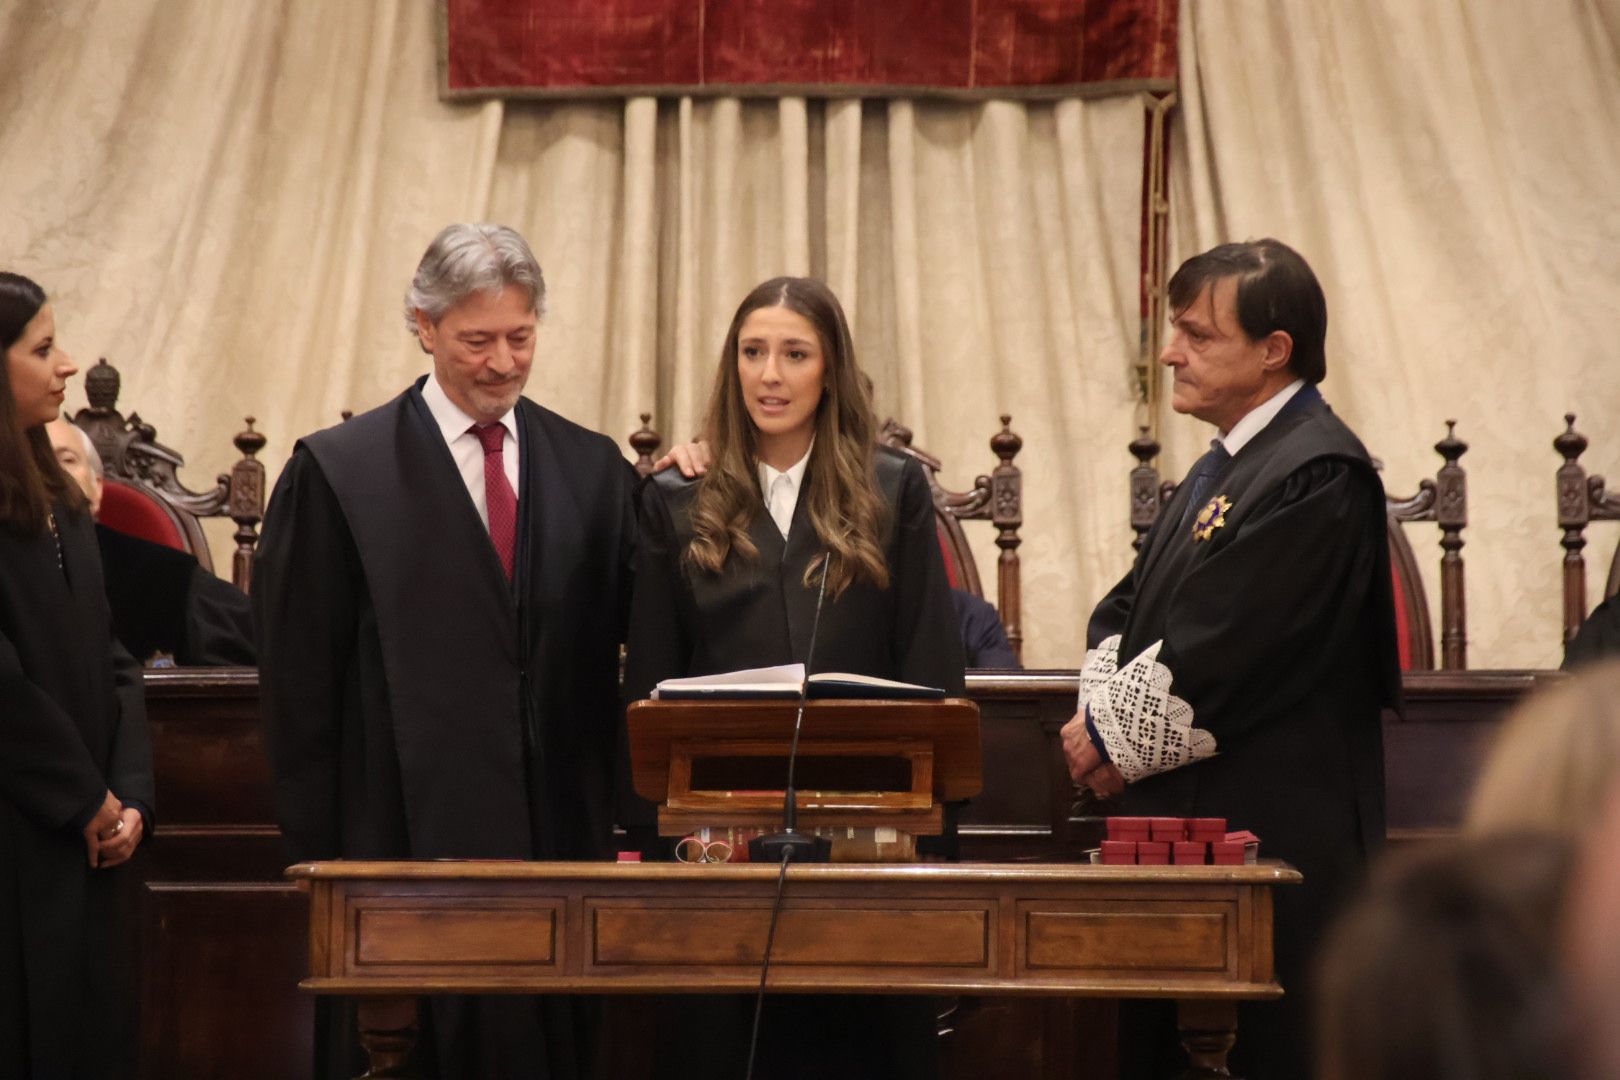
790, 843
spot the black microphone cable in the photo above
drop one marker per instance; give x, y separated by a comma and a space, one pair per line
790, 821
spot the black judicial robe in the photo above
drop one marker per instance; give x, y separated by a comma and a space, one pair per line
755, 614
72, 726
163, 601
685, 621
416, 703
1279, 631
1598, 637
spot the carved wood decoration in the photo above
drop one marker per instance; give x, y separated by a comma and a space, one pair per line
644, 441
1442, 500
1148, 494
1582, 499
997, 498
132, 455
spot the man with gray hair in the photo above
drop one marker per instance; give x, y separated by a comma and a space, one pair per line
166, 608
440, 596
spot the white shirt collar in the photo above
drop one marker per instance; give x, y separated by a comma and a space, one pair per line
1256, 419
794, 472
781, 498
453, 423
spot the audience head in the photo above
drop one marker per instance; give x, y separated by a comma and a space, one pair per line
787, 383
1591, 949
33, 380
1555, 758
1247, 319
1447, 967
79, 459
473, 305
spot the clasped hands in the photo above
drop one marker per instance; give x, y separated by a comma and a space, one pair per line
1086, 765
113, 834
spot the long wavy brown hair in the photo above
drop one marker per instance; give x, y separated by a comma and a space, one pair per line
30, 476
845, 509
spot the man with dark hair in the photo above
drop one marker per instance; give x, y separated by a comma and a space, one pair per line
1240, 668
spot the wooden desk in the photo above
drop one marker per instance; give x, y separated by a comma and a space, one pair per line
387, 931
222, 931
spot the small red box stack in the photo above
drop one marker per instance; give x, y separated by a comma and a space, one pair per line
1168, 829
1163, 841
1131, 829
1235, 849
1153, 853
1119, 852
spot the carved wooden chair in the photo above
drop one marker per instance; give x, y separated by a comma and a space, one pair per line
143, 495
997, 498
1442, 500
1582, 499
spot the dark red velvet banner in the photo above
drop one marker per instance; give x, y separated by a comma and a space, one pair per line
822, 48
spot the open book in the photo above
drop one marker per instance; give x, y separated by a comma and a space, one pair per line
784, 682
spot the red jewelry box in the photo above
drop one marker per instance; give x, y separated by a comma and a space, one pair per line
1226, 853
1190, 852
1128, 828
1119, 852
1168, 828
1206, 829
1153, 853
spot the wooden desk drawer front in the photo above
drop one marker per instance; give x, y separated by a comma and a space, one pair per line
817, 934
1128, 939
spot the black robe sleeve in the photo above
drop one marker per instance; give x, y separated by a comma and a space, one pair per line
659, 638
306, 607
1113, 610
1246, 630
46, 771
219, 623
927, 643
129, 769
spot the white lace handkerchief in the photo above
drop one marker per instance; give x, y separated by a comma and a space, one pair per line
1100, 665
1144, 727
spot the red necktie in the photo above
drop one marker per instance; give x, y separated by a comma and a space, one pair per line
499, 498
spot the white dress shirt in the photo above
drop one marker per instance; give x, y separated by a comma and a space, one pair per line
1256, 419
781, 491
465, 448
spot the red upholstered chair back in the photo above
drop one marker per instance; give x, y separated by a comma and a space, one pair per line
996, 498
135, 512
1414, 636
143, 495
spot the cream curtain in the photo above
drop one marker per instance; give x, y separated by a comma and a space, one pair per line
227, 201
1449, 167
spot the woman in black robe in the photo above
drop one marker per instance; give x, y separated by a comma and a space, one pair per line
730, 574
75, 758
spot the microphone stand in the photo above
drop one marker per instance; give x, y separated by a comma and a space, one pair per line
790, 844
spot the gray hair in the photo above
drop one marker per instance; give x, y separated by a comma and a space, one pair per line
91, 454
464, 259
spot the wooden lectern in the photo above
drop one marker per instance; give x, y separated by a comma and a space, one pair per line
862, 764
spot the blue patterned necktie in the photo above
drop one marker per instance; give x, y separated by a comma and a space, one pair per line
1201, 479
